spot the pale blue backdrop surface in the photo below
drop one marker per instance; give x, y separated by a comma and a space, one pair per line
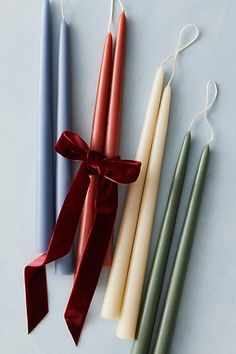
206, 323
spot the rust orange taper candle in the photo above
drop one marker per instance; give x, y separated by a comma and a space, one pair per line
106, 124
114, 114
97, 138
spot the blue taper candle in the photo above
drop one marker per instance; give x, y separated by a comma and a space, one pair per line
64, 119
45, 179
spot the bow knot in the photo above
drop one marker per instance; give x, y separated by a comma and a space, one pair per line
93, 162
73, 147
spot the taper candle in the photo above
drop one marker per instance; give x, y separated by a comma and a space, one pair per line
45, 179
154, 287
132, 296
173, 297
97, 138
115, 104
133, 290
64, 120
118, 274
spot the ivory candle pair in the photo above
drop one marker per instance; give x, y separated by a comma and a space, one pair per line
118, 275
133, 290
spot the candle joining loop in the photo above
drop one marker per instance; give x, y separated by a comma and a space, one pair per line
206, 109
110, 17
180, 49
122, 6
62, 10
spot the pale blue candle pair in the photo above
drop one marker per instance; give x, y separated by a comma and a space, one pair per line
51, 191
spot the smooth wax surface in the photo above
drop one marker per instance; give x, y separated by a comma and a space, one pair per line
98, 136
112, 142
208, 299
64, 122
116, 284
173, 297
127, 324
45, 216
152, 294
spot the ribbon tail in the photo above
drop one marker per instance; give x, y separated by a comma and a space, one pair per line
37, 306
60, 244
91, 262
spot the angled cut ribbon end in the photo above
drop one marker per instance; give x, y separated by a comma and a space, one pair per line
74, 328
36, 296
33, 322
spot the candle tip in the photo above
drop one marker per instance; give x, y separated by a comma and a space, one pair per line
168, 87
188, 135
46, 4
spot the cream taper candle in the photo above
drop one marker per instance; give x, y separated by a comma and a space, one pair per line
134, 285
118, 275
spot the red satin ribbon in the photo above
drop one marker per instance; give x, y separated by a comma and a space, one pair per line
111, 171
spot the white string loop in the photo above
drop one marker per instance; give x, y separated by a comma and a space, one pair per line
121, 5
180, 49
206, 109
62, 10
110, 17
111, 14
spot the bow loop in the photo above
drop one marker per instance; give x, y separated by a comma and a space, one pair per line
72, 146
121, 171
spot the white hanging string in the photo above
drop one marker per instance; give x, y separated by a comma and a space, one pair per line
62, 9
206, 109
111, 16
180, 49
121, 5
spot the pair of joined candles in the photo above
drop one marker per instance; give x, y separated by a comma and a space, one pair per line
105, 130
106, 123
124, 289
153, 292
49, 202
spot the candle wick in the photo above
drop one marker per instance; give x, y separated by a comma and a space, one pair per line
110, 17
206, 109
62, 10
180, 49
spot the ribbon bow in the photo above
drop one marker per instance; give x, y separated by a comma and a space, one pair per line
110, 171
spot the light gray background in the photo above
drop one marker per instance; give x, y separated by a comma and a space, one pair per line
207, 321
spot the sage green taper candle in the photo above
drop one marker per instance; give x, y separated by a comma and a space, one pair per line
152, 296
174, 293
